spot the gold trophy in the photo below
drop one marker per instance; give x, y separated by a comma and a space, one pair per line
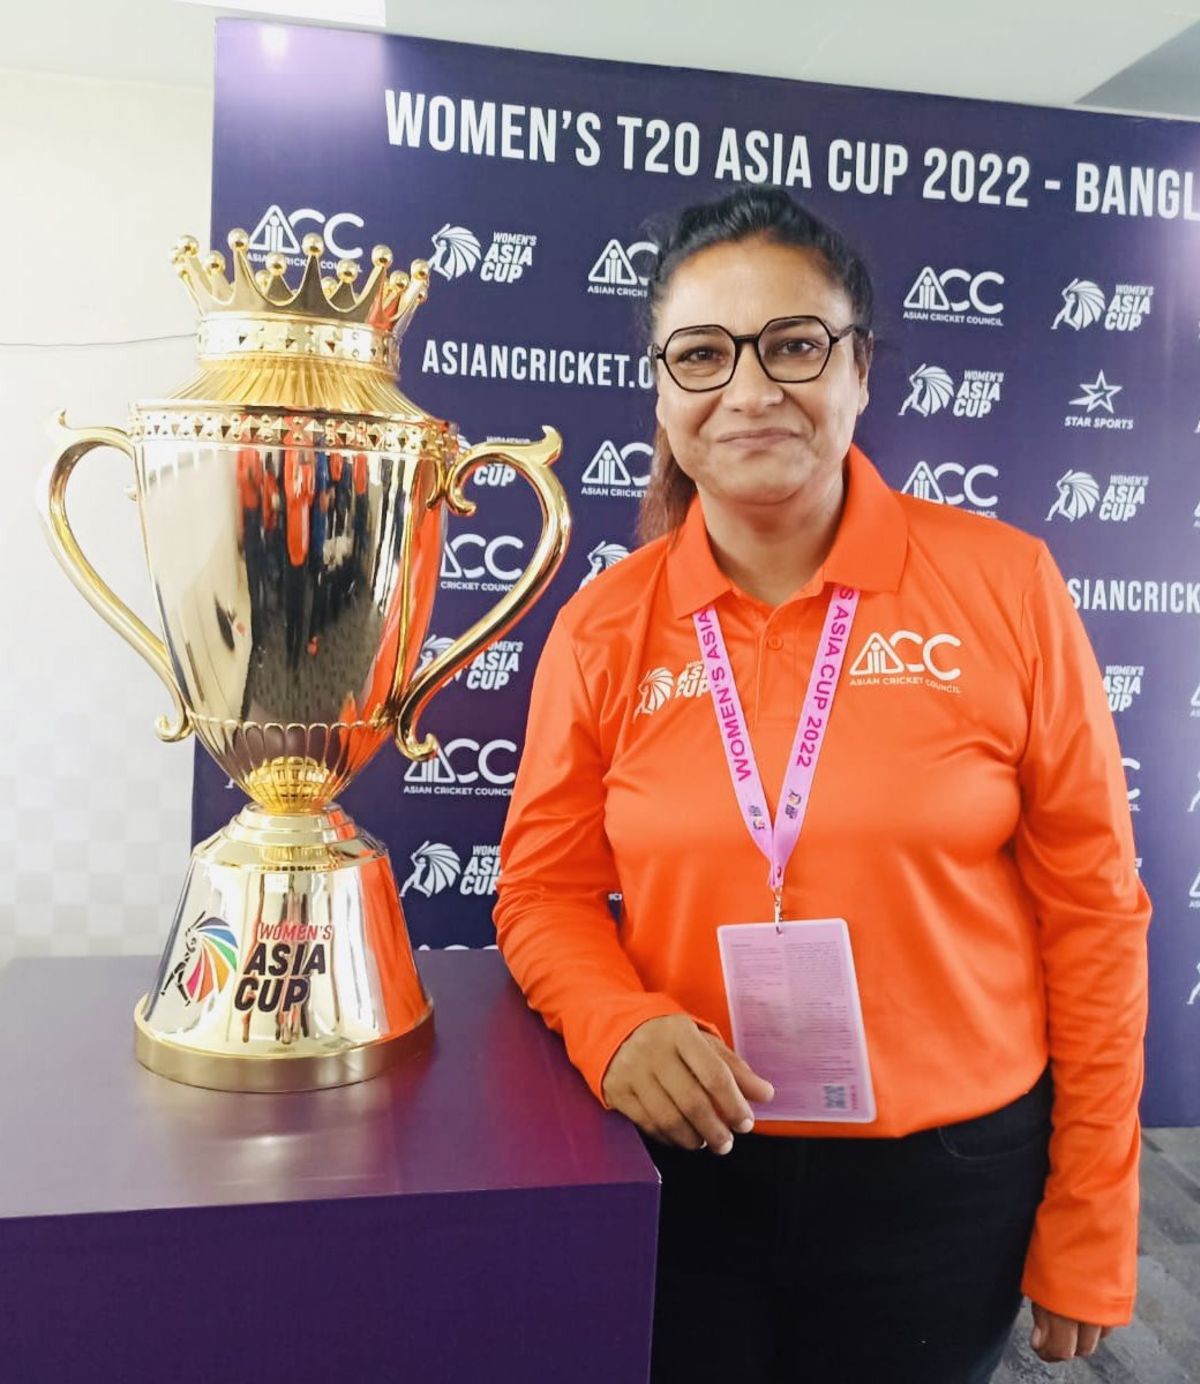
293, 507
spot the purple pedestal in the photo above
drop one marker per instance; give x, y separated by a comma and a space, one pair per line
471, 1216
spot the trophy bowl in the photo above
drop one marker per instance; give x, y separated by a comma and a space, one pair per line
293, 506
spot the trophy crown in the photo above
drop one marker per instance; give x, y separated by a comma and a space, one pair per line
385, 304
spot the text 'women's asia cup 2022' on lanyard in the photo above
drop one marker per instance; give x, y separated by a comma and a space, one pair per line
793, 996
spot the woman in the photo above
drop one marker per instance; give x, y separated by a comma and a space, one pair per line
968, 821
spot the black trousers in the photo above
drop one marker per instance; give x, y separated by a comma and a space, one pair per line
848, 1261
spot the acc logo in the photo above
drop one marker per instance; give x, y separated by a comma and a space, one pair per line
465, 768
617, 473
1123, 683
1132, 766
1195, 802
1079, 494
603, 556
932, 389
1085, 303
659, 685
955, 295
487, 672
471, 562
458, 251
1195, 703
280, 234
616, 275
1096, 396
952, 484
907, 657
437, 867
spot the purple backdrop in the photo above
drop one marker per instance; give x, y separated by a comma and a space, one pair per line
1038, 275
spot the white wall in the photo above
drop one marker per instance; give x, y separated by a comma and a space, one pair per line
97, 181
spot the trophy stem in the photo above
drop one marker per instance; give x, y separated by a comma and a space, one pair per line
288, 966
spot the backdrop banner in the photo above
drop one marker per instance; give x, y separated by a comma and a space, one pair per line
1038, 278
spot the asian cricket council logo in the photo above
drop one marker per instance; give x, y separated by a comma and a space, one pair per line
281, 233
437, 868
660, 686
907, 658
1123, 684
1085, 303
473, 562
1097, 404
954, 484
465, 768
458, 252
621, 271
932, 389
956, 296
601, 558
488, 671
1132, 766
1079, 495
1195, 702
618, 473
1194, 893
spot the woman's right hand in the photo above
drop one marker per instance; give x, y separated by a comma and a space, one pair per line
682, 1085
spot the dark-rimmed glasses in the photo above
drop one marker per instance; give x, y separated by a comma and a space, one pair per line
791, 350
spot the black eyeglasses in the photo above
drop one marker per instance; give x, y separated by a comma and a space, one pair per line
791, 350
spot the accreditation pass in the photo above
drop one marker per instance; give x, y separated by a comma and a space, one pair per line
796, 1016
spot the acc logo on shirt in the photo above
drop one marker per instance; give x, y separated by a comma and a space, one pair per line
1085, 303
471, 562
617, 473
906, 657
465, 768
932, 388
437, 867
952, 484
281, 234
955, 295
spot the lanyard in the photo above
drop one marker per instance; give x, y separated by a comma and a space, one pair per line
777, 840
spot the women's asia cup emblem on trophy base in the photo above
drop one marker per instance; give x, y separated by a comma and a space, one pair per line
293, 507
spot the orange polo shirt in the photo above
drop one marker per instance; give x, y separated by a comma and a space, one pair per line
968, 819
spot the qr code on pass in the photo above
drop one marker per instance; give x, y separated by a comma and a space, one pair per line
835, 1097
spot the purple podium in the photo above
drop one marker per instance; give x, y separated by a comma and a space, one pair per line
471, 1216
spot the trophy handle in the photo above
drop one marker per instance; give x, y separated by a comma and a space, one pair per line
532, 460
52, 502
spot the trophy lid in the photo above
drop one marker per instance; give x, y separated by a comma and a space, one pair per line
322, 346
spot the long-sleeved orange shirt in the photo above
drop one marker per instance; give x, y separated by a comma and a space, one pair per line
968, 819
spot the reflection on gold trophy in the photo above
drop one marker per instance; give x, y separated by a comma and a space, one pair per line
293, 508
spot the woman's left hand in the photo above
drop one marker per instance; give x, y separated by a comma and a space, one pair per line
1063, 1338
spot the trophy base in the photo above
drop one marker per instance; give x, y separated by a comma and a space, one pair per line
288, 967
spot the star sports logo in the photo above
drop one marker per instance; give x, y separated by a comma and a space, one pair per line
932, 388
1079, 494
1085, 303
1096, 401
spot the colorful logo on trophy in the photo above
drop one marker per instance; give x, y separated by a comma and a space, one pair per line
210, 953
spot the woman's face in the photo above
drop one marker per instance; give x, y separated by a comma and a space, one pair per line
756, 442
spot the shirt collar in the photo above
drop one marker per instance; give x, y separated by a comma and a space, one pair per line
868, 551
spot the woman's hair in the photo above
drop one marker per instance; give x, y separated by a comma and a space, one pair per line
763, 213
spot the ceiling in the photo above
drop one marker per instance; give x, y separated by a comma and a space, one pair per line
1115, 54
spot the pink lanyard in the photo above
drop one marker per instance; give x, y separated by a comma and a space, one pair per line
777, 840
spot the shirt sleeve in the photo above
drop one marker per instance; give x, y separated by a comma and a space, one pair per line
1075, 851
553, 922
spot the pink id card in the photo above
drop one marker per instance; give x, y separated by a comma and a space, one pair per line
797, 1019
